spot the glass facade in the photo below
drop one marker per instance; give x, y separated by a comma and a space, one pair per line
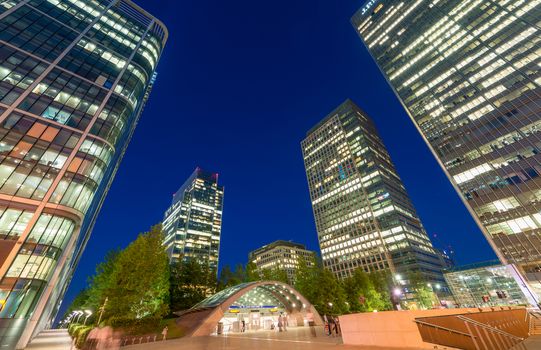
282, 255
193, 223
486, 285
468, 73
74, 77
364, 217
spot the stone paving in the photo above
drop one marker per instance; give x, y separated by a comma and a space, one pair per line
294, 339
52, 339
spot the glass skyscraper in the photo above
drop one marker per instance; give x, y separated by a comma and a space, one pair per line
193, 223
469, 74
364, 217
74, 78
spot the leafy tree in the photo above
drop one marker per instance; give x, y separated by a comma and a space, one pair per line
383, 283
80, 302
139, 282
276, 274
101, 281
424, 296
190, 283
361, 293
320, 287
251, 273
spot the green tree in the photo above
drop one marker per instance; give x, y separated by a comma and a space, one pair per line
102, 281
275, 274
190, 283
320, 287
251, 273
383, 283
361, 293
424, 296
80, 302
139, 285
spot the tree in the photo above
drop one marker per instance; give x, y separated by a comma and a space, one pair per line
251, 273
101, 281
139, 285
190, 282
383, 282
361, 293
275, 274
80, 302
320, 287
424, 296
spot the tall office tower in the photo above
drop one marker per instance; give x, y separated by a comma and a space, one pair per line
364, 217
74, 77
468, 73
193, 222
281, 255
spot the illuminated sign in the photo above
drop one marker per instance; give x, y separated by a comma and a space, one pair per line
252, 307
367, 6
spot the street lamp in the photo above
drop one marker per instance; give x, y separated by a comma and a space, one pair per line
88, 313
79, 314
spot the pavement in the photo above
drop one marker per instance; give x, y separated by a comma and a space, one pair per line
532, 342
294, 339
51, 339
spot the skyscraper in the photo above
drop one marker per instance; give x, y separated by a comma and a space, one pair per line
281, 255
74, 78
364, 217
468, 73
193, 222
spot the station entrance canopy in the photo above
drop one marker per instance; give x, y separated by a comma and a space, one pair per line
256, 304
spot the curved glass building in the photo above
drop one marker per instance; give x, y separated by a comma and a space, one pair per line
74, 78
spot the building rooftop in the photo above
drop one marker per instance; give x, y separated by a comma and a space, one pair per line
345, 106
478, 265
278, 243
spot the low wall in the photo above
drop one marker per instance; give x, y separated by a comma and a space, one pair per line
392, 329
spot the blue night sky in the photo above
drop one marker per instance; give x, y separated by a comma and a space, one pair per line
240, 82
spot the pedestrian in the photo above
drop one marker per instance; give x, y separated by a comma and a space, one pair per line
243, 326
337, 326
311, 323
284, 322
327, 325
164, 333
280, 323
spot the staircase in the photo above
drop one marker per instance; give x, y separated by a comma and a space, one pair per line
535, 325
51, 339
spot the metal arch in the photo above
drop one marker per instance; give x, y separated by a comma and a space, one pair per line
202, 322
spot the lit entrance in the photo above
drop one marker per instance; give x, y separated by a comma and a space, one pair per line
249, 307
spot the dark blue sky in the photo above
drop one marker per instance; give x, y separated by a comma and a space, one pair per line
239, 84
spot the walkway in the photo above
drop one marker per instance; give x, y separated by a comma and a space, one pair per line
531, 343
294, 339
52, 339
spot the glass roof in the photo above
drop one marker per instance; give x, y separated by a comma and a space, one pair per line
265, 295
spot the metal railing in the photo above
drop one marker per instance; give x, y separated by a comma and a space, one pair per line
491, 337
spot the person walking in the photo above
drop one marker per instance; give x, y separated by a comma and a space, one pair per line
280, 325
164, 333
337, 326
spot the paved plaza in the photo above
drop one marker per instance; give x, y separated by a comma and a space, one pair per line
52, 339
300, 338
294, 339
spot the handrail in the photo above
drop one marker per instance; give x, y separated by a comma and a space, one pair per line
493, 329
444, 328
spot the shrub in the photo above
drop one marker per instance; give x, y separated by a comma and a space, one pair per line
138, 326
82, 334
